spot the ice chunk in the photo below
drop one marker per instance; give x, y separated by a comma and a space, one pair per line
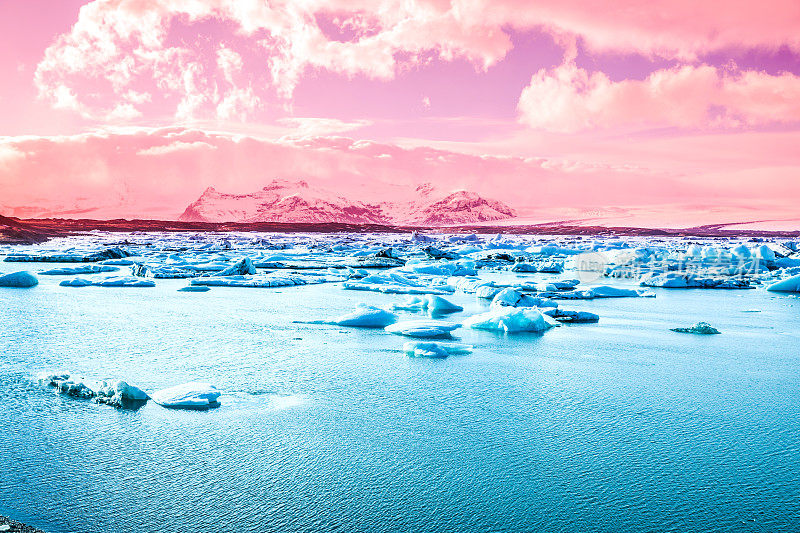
606, 291
242, 267
487, 292
435, 349
430, 303
116, 393
119, 394
19, 280
194, 288
791, 284
423, 328
511, 320
366, 316
702, 328
512, 298
764, 253
575, 317
66, 384
192, 395
741, 251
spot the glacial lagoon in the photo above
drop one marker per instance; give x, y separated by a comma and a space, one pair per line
614, 425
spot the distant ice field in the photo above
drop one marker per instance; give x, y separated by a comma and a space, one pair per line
616, 425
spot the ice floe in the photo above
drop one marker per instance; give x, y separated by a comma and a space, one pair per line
112, 281
74, 271
436, 350
192, 395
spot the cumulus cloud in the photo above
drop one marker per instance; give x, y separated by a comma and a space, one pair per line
118, 50
568, 98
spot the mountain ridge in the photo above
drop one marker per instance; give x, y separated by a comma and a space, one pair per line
300, 202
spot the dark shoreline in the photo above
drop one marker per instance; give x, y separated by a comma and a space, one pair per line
17, 526
30, 231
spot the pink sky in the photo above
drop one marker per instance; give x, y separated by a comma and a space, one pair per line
563, 109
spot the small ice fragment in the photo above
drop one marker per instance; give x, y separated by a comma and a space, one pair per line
701, 328
192, 395
194, 288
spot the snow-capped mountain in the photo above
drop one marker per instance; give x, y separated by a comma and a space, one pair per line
460, 207
280, 201
287, 201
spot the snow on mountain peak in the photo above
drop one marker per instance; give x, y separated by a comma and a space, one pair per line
298, 201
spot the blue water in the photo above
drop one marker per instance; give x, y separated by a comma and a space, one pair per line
616, 426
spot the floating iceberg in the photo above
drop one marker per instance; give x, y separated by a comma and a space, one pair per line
701, 328
192, 395
113, 281
512, 298
242, 267
19, 280
430, 303
119, 394
431, 329
435, 350
791, 284
511, 320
